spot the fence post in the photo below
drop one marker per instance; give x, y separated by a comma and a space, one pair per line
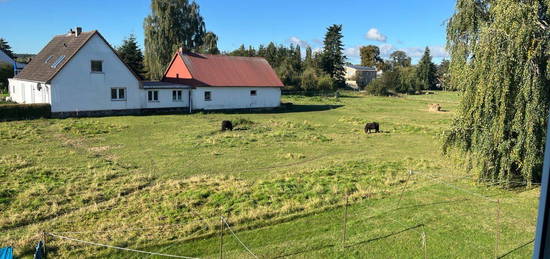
345, 220
221, 236
424, 243
403, 189
44, 244
497, 232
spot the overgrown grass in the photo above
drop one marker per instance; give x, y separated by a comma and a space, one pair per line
281, 178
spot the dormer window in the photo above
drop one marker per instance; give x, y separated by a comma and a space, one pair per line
97, 66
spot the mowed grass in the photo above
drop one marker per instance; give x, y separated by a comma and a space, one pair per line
160, 183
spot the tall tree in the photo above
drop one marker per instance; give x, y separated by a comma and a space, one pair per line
130, 53
426, 72
443, 74
308, 60
400, 59
4, 46
370, 56
210, 44
501, 66
172, 24
333, 57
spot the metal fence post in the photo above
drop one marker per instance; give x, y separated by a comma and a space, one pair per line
542, 235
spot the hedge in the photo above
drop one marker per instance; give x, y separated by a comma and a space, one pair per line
24, 111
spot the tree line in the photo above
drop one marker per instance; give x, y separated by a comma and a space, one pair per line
400, 76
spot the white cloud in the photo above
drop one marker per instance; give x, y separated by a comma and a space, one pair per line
297, 41
353, 52
386, 49
374, 34
436, 51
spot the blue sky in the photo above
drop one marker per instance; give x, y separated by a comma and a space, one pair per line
408, 25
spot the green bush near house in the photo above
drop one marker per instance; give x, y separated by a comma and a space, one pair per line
24, 111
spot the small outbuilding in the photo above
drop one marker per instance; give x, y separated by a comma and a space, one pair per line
225, 82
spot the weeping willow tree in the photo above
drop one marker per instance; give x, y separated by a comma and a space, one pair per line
172, 24
499, 60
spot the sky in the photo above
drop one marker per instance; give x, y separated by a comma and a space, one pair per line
408, 25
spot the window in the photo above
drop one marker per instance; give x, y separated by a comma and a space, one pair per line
207, 96
176, 95
57, 61
97, 66
252, 92
48, 59
118, 94
153, 96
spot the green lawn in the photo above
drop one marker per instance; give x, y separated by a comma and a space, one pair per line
160, 183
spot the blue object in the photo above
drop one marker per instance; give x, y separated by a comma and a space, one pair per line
39, 253
6, 252
542, 235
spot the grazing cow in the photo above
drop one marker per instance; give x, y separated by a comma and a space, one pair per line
227, 125
372, 126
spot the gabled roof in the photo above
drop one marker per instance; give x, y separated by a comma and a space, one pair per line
56, 54
220, 70
4, 58
364, 68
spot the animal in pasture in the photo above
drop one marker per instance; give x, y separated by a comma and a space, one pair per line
227, 125
372, 126
434, 107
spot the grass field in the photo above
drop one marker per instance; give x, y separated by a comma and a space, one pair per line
160, 184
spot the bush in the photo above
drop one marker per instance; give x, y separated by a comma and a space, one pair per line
24, 111
6, 71
384, 85
325, 82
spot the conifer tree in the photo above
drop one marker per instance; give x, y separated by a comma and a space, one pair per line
4, 46
426, 72
333, 57
130, 53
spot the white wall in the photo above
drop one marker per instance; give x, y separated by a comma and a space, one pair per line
76, 88
236, 97
29, 92
165, 99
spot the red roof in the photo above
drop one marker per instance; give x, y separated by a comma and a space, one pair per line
218, 70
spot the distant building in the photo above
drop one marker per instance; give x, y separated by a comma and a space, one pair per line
359, 74
4, 58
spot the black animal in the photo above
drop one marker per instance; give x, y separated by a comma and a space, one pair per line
372, 126
227, 125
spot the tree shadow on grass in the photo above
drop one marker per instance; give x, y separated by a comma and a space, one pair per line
351, 245
282, 109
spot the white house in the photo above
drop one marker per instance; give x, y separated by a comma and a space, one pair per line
80, 74
357, 76
225, 82
4, 58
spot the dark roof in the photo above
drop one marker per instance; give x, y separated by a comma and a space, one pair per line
361, 67
163, 85
220, 70
61, 49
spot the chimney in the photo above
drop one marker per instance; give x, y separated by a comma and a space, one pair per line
78, 31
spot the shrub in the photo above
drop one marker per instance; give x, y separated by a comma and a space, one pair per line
325, 82
6, 71
309, 79
24, 111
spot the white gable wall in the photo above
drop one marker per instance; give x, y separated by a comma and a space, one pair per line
165, 99
76, 88
236, 98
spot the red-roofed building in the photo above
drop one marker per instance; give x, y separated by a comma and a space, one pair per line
225, 82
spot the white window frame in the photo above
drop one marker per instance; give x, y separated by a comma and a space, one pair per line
118, 89
177, 95
151, 94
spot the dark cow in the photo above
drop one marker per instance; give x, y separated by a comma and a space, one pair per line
227, 125
372, 126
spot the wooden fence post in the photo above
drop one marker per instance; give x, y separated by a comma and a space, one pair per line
497, 232
345, 219
221, 236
